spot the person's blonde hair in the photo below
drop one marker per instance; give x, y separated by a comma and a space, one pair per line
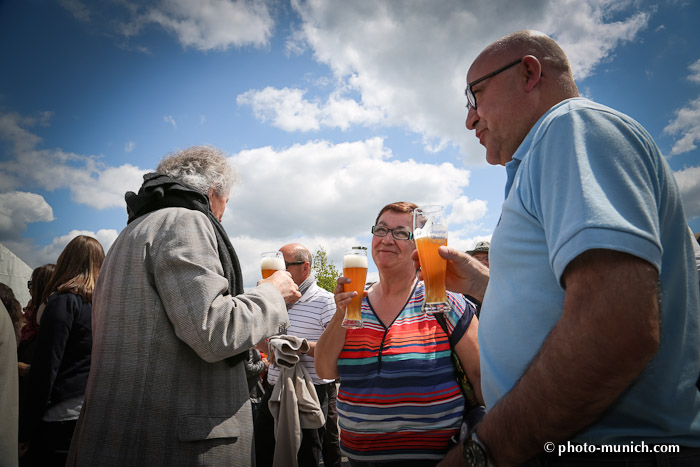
76, 269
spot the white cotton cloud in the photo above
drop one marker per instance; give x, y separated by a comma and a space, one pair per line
77, 8
287, 109
687, 120
51, 252
408, 61
19, 208
327, 194
687, 124
688, 181
129, 146
205, 24
90, 181
695, 69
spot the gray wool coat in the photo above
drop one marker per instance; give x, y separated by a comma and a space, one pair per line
160, 392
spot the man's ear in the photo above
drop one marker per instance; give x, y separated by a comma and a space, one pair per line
533, 72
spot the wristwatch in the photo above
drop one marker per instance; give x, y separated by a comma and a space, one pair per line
474, 452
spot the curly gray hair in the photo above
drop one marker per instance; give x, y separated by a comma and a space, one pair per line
201, 168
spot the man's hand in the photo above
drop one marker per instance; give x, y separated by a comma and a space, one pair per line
23, 368
465, 274
453, 458
282, 280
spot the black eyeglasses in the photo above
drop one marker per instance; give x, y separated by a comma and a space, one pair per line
29, 284
398, 233
295, 263
471, 99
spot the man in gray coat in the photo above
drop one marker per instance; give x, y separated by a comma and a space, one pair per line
172, 326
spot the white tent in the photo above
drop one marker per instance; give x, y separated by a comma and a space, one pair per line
15, 273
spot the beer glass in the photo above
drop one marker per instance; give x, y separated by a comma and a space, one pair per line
270, 262
355, 269
430, 231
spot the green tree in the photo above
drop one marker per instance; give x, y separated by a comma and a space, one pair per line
326, 272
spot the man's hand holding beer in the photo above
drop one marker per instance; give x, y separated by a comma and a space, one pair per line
465, 274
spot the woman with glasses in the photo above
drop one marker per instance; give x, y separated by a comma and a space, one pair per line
399, 402
58, 375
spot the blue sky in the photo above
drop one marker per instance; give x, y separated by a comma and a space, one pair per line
328, 109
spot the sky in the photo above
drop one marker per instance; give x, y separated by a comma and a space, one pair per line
328, 109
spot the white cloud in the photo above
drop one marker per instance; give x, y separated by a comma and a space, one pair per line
695, 69
687, 120
686, 123
408, 61
89, 180
329, 194
130, 145
19, 208
205, 24
688, 181
287, 109
169, 119
77, 9
51, 252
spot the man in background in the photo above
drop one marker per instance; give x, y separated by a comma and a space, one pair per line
308, 318
481, 252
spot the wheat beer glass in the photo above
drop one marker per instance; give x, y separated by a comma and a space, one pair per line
355, 269
270, 262
430, 232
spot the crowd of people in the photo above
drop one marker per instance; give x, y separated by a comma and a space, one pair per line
578, 325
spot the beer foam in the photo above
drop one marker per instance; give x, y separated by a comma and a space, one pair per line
355, 261
270, 262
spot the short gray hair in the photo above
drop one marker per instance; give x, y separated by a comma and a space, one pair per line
201, 168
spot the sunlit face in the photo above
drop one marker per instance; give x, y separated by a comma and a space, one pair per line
387, 251
497, 119
217, 204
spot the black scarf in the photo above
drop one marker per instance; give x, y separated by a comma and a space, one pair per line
160, 191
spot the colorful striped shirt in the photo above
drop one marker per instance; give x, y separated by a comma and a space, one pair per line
398, 396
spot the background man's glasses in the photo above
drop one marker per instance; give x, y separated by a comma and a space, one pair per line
295, 263
398, 234
471, 99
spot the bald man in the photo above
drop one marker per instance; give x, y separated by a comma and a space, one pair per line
308, 318
591, 329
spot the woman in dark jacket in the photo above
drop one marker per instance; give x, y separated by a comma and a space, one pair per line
61, 363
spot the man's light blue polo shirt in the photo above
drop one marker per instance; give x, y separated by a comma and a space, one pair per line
586, 177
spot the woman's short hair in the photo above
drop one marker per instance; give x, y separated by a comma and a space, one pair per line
399, 206
201, 168
76, 269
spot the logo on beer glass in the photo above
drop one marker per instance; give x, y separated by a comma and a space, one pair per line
270, 262
355, 269
430, 232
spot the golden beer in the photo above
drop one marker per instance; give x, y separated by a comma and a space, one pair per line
433, 267
430, 232
355, 269
271, 262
